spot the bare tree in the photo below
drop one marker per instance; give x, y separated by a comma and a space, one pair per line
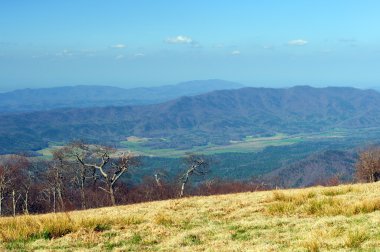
86, 157
12, 170
16, 195
196, 165
115, 171
368, 165
159, 176
98, 159
26, 184
5, 183
55, 178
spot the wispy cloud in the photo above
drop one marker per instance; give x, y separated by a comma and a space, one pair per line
137, 55
298, 42
348, 41
180, 39
88, 52
118, 46
235, 52
69, 53
120, 57
65, 53
268, 47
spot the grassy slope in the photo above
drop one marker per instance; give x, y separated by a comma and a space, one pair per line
337, 218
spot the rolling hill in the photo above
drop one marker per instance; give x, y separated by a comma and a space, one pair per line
342, 218
315, 168
213, 118
100, 96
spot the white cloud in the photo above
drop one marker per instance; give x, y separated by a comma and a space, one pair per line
139, 55
119, 46
298, 42
65, 53
179, 40
268, 47
120, 56
236, 52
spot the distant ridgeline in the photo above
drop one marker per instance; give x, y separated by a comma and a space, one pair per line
212, 118
101, 96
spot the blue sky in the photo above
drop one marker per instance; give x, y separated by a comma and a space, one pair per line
144, 43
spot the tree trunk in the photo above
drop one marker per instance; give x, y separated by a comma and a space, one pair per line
1, 203
83, 198
26, 203
60, 199
82, 192
54, 210
112, 195
183, 185
14, 202
182, 189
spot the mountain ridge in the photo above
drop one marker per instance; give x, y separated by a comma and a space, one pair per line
81, 96
216, 117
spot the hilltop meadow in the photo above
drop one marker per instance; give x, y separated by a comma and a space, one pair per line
344, 218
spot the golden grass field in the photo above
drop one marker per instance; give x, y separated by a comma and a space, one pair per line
342, 218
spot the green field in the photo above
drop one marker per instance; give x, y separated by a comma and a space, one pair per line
247, 145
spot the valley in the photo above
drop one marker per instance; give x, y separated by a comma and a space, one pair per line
249, 144
205, 122
249, 132
262, 158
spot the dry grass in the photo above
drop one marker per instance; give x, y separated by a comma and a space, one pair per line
340, 218
323, 202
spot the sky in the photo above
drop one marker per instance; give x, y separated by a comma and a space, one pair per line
46, 43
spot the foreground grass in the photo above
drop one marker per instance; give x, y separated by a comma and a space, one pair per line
344, 218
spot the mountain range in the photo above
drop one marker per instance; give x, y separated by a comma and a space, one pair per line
213, 118
27, 100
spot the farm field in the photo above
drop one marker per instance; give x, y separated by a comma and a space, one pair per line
247, 145
342, 218
251, 143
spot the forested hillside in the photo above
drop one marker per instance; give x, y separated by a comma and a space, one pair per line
213, 118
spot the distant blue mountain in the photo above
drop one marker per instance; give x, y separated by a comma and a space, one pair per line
100, 96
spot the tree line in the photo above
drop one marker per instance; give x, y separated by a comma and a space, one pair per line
82, 176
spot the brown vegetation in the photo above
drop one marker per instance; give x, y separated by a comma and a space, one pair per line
341, 218
368, 165
81, 176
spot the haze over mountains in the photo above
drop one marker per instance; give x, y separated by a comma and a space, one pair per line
211, 118
99, 96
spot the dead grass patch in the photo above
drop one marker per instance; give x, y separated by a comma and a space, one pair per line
262, 221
